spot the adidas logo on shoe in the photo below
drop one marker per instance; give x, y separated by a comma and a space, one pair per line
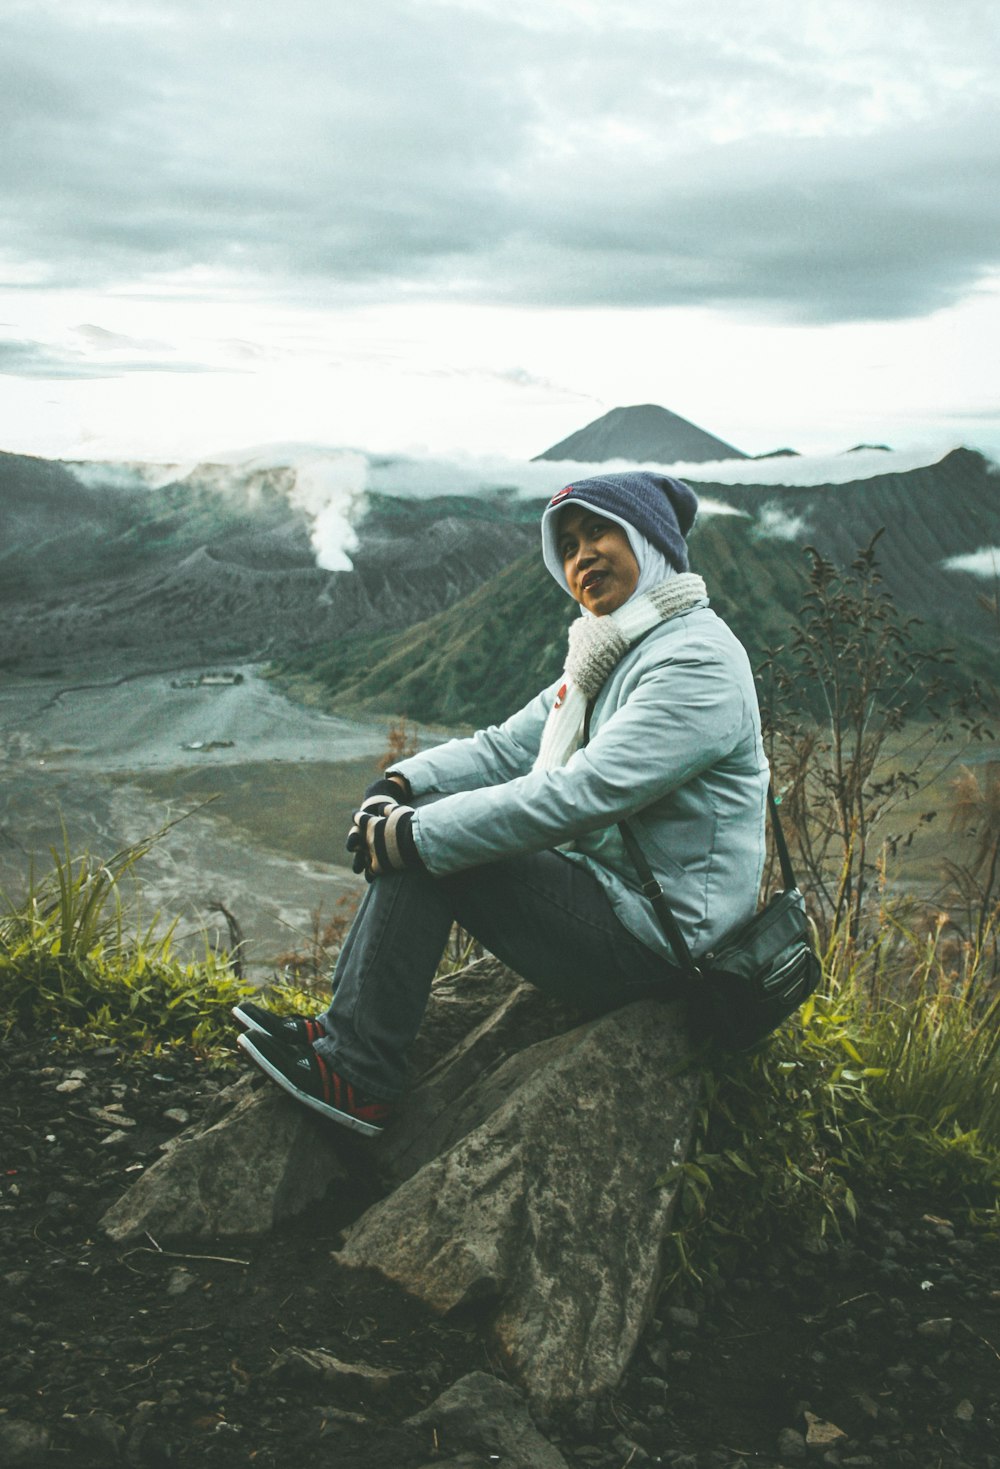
297, 1030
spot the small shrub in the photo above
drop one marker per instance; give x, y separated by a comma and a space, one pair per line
887, 1079
310, 965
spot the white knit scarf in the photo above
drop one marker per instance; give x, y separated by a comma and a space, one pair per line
595, 645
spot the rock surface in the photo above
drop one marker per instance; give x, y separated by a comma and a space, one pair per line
450, 1097
264, 1161
312, 1365
545, 1209
480, 1412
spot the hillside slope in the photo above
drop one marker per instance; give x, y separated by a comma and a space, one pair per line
928, 515
489, 654
492, 651
189, 573
219, 564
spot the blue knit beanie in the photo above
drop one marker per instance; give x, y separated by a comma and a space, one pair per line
660, 508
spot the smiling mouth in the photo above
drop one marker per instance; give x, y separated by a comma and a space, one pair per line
591, 580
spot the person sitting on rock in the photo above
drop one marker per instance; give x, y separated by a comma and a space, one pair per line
513, 834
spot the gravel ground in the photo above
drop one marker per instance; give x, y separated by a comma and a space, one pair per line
883, 1349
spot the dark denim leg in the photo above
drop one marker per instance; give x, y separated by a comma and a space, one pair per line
382, 980
542, 914
551, 921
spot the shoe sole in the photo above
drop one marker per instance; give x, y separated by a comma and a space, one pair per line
369, 1129
249, 1025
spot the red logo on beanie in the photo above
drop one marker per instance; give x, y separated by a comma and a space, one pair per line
561, 495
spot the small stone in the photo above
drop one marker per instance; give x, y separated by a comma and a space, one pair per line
631, 1452
113, 1116
114, 1139
339, 1415
660, 1355
181, 1280
70, 1085
301, 1364
901, 1372
791, 1446
682, 1317
178, 1115
939, 1327
965, 1412
820, 1433
482, 1413
20, 1441
99, 1430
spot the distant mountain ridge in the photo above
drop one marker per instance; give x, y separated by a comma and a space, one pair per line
188, 572
485, 656
643, 433
219, 564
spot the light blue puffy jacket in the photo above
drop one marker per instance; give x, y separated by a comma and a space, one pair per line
675, 746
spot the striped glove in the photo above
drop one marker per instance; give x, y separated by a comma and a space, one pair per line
380, 796
380, 836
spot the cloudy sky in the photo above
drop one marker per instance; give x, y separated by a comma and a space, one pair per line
478, 224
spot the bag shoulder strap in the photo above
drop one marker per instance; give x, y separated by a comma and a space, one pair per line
785, 861
652, 890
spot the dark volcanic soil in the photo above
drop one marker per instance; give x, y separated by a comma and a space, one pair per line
881, 1350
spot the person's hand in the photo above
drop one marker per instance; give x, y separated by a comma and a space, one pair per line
381, 839
379, 799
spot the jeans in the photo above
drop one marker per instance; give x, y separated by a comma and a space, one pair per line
546, 917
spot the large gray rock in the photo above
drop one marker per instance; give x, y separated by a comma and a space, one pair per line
447, 1103
458, 1003
269, 1157
264, 1161
480, 1412
545, 1209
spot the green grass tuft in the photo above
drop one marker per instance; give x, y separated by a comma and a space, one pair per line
75, 970
889, 1079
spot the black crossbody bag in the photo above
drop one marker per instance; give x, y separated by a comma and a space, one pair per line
760, 973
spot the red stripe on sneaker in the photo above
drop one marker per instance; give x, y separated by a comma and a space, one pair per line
325, 1074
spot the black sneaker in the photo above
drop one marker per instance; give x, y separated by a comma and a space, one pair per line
294, 1030
309, 1079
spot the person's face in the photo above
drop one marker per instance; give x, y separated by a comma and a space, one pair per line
599, 564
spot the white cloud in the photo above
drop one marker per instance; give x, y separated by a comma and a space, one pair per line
983, 563
775, 523
459, 222
804, 166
